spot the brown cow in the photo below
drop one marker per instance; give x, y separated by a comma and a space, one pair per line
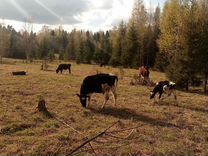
143, 75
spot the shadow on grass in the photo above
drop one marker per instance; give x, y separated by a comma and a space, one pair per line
49, 70
184, 107
48, 114
125, 113
198, 91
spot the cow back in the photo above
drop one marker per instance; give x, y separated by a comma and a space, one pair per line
93, 84
64, 66
143, 71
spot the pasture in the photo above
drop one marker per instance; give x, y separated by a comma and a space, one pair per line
163, 128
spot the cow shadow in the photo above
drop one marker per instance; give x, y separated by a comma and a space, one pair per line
197, 91
202, 110
49, 70
125, 113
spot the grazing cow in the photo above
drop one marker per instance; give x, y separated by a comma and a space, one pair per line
144, 74
161, 87
62, 67
99, 83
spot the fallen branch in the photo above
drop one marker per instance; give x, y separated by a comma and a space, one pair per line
127, 129
67, 125
92, 149
91, 139
72, 128
57, 150
123, 138
101, 148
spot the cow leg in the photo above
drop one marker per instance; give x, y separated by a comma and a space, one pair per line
106, 98
61, 71
88, 100
148, 81
142, 80
113, 92
160, 95
174, 94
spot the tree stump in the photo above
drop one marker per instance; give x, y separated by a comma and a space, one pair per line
41, 106
43, 109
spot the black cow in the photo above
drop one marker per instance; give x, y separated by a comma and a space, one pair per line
102, 64
99, 83
62, 67
161, 87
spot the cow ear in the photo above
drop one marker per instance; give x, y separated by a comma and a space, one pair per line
78, 95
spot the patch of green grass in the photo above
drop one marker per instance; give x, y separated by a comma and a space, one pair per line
13, 128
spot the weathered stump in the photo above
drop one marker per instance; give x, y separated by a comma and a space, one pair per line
41, 106
43, 109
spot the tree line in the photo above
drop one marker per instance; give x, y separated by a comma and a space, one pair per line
174, 40
184, 41
129, 44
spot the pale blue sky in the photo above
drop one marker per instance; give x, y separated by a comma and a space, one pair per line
81, 14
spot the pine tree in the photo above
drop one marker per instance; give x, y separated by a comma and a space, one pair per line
88, 48
140, 19
132, 54
171, 43
119, 45
157, 58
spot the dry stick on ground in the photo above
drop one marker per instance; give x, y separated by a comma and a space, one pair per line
123, 138
91, 139
127, 129
67, 125
57, 150
92, 149
110, 147
42, 108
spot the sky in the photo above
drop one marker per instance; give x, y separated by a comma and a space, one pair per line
91, 15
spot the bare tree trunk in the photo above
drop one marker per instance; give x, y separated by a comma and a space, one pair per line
187, 85
205, 83
1, 59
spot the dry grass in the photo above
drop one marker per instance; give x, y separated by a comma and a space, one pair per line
169, 127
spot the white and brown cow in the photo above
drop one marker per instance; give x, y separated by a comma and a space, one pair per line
161, 87
99, 83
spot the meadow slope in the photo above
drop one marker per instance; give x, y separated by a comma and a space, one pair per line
164, 128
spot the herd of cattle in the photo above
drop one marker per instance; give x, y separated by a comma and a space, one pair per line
107, 84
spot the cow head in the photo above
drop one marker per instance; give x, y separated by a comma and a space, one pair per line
57, 70
83, 99
152, 94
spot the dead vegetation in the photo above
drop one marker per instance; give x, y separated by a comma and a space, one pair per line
136, 80
144, 127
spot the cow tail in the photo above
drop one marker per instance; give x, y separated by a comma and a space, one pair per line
116, 82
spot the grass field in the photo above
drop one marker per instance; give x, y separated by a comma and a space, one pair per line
164, 128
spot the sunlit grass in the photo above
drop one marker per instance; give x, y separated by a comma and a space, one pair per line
169, 127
